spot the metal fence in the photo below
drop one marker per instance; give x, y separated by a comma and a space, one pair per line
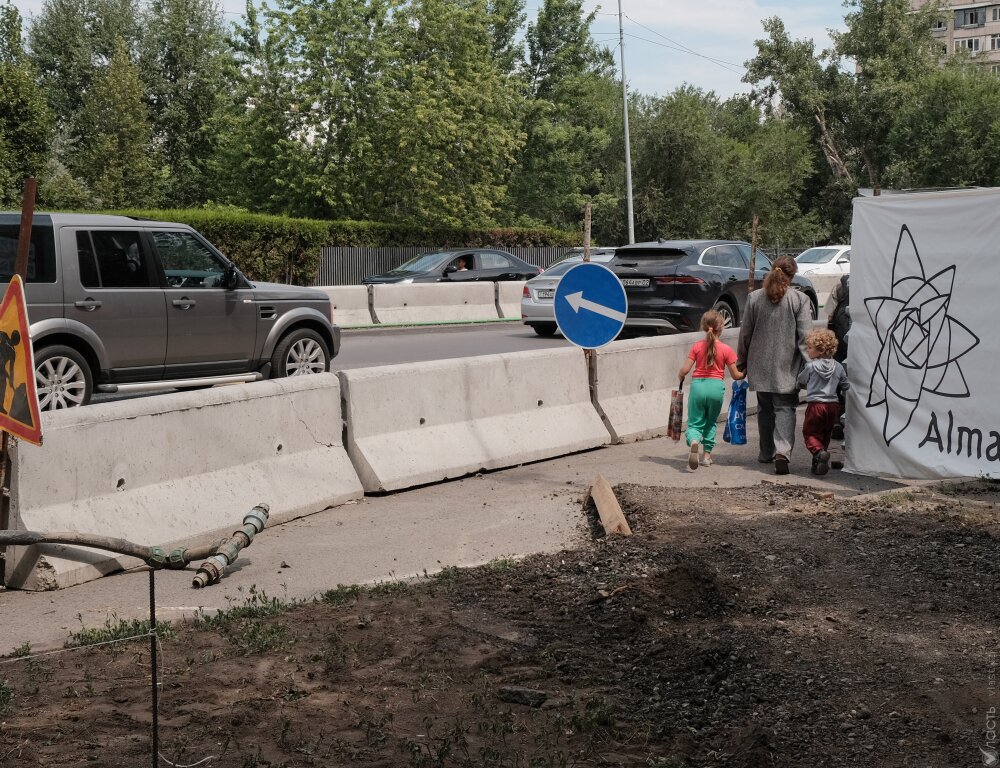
346, 266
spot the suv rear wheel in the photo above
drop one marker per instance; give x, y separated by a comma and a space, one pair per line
725, 309
300, 353
63, 378
544, 329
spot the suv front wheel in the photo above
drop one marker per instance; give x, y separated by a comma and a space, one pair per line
63, 378
300, 353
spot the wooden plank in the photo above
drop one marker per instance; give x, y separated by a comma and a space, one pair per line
612, 517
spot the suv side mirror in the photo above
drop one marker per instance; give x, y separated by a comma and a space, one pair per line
230, 278
449, 269
844, 260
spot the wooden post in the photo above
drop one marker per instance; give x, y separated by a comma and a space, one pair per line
753, 254
586, 233
21, 269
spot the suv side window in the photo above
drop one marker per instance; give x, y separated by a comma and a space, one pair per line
112, 259
725, 256
187, 261
762, 260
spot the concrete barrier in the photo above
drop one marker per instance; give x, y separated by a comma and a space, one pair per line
175, 470
395, 304
408, 425
635, 380
509, 298
351, 305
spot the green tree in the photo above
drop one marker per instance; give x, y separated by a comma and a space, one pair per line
185, 62
451, 130
948, 134
25, 121
115, 152
70, 40
337, 55
574, 105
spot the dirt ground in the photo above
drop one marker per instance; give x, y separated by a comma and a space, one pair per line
746, 627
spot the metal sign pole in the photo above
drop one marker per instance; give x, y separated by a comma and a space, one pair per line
20, 269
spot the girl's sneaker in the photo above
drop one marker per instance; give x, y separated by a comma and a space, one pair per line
706, 461
693, 455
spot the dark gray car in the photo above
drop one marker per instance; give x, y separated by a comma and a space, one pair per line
123, 304
466, 265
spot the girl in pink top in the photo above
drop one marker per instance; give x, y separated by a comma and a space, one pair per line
709, 358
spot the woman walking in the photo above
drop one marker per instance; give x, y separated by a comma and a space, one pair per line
771, 351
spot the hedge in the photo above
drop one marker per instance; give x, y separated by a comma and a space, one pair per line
283, 249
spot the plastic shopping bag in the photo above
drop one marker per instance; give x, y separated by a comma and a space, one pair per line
736, 423
676, 423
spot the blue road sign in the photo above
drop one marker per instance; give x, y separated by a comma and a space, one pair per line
590, 305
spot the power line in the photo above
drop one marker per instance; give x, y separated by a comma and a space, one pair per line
682, 46
725, 65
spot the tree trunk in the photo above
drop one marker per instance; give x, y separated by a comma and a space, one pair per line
840, 171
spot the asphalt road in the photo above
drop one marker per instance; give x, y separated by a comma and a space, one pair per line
364, 348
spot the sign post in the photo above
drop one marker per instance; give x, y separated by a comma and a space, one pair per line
18, 398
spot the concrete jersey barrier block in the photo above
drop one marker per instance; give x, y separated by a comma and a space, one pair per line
175, 470
395, 304
635, 380
408, 425
509, 298
351, 305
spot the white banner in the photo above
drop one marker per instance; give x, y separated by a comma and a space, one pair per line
923, 364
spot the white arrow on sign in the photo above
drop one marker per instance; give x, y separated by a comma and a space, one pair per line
577, 301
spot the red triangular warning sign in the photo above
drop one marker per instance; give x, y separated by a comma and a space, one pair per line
18, 399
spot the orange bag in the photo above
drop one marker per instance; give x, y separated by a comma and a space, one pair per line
675, 425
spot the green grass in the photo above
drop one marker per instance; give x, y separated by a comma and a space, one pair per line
342, 595
6, 697
247, 626
115, 629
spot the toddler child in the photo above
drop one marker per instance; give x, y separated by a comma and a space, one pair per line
823, 379
709, 358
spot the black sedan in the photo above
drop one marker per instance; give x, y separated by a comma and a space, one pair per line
458, 266
671, 283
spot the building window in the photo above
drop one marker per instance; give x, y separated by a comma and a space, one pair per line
967, 44
940, 25
996, 14
995, 69
995, 42
973, 18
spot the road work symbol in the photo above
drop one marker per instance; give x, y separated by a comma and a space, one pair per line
18, 399
591, 305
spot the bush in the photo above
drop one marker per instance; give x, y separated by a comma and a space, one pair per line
286, 250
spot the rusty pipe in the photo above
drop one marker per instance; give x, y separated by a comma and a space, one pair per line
210, 571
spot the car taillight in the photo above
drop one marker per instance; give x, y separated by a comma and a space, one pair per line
526, 293
679, 279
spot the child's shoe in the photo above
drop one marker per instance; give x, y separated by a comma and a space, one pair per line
821, 462
706, 461
693, 455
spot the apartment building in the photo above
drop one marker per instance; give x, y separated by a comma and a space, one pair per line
970, 27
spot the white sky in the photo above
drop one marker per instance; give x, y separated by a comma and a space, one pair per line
724, 30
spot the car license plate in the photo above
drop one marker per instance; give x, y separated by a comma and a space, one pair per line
635, 282
545, 293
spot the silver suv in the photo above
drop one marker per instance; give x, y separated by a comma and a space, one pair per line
118, 304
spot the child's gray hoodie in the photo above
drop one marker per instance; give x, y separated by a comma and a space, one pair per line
823, 379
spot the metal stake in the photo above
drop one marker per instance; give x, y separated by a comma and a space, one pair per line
152, 653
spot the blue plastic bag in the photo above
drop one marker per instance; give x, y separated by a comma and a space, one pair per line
736, 425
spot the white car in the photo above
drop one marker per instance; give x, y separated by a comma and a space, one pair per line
537, 300
825, 260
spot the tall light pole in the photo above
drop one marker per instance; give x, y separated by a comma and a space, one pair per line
628, 148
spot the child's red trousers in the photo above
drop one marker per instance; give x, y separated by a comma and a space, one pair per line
818, 425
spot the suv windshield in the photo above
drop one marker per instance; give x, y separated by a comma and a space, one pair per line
41, 254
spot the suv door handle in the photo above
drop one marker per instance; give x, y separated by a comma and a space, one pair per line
183, 303
87, 305
732, 279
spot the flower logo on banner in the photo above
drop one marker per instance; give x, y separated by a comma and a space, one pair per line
921, 342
